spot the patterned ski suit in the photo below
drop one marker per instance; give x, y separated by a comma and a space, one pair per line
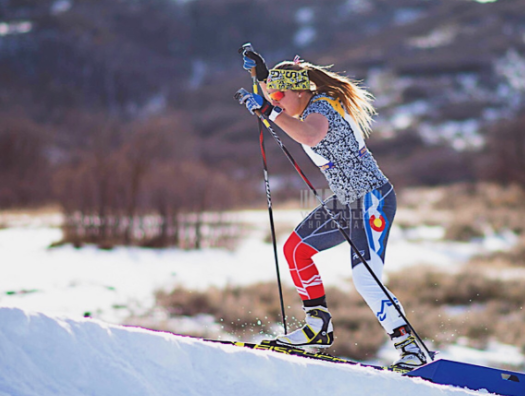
364, 202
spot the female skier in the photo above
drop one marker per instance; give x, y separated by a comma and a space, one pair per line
330, 116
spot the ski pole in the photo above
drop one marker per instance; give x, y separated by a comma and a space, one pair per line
253, 73
255, 83
238, 95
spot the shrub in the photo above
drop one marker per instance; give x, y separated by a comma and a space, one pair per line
253, 312
465, 210
444, 308
515, 257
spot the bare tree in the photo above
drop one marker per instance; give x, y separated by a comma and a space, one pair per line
505, 152
24, 162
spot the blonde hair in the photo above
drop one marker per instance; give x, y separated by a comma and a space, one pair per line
356, 100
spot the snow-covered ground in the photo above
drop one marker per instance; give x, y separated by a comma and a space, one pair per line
47, 355
112, 285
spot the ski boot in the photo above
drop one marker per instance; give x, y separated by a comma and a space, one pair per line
317, 332
411, 357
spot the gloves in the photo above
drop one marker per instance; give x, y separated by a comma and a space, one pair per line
249, 64
253, 59
256, 102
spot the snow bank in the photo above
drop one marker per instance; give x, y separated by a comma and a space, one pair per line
43, 355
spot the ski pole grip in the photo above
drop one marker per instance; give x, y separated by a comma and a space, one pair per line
246, 47
239, 94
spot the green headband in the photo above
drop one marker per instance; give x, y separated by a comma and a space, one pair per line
283, 80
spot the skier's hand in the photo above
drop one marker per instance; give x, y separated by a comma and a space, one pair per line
255, 102
249, 64
253, 59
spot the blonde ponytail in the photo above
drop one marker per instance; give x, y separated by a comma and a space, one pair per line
356, 100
